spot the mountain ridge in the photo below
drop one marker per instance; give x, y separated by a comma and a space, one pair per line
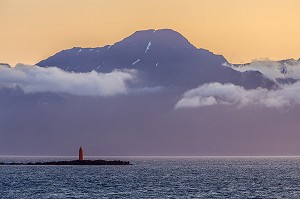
163, 57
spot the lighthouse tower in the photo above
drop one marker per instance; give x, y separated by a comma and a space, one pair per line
80, 153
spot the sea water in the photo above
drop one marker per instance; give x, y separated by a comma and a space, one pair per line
156, 177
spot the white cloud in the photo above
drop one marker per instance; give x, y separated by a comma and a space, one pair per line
229, 94
272, 69
33, 79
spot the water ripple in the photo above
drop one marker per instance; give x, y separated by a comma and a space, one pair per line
158, 178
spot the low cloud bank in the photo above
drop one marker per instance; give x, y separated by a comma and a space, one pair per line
230, 94
32, 79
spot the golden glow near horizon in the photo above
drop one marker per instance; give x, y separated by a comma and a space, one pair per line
241, 30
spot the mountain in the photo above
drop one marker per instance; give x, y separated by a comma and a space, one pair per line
161, 57
50, 121
5, 64
283, 71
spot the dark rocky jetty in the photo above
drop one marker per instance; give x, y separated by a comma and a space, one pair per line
74, 162
80, 161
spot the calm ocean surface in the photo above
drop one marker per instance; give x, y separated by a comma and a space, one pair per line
165, 177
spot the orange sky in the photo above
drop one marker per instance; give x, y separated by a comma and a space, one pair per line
241, 30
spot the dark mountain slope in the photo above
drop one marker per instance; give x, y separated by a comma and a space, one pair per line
162, 57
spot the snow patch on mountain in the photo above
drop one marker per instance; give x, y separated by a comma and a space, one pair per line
137, 61
148, 47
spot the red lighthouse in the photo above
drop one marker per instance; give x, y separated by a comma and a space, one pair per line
80, 153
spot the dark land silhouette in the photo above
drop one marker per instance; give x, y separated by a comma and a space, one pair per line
80, 161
